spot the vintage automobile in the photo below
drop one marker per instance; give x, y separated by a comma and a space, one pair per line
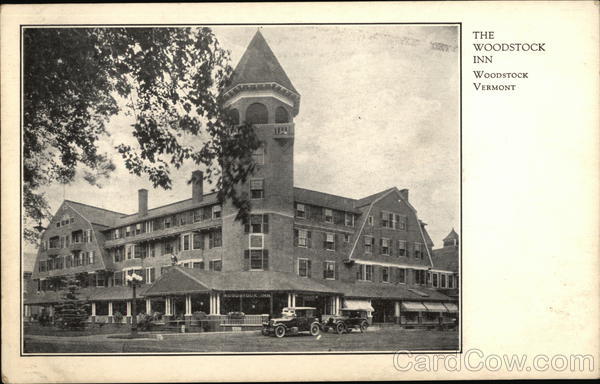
292, 321
349, 319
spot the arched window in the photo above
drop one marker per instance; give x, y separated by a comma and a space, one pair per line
234, 115
281, 115
257, 114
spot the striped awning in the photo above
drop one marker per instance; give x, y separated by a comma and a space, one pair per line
413, 306
356, 305
451, 307
435, 307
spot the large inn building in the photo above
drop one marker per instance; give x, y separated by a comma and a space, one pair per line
299, 248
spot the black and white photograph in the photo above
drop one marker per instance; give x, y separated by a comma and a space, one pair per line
241, 189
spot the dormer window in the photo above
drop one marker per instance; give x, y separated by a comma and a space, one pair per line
300, 211
328, 215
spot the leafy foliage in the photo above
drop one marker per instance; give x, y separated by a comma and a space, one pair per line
71, 313
169, 79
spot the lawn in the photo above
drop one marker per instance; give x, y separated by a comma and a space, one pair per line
387, 339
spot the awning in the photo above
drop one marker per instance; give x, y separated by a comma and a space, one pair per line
451, 307
358, 305
435, 307
413, 306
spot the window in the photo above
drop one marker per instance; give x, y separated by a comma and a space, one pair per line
257, 189
300, 211
302, 238
138, 228
167, 222
258, 155
128, 231
418, 251
186, 242
346, 238
281, 115
215, 239
149, 226
150, 275
328, 215
258, 224
386, 220
58, 224
197, 215
256, 241
258, 261
385, 274
443, 278
349, 221
370, 220
369, 242
329, 243
117, 234
216, 211
215, 265
419, 276
54, 242
168, 247
435, 280
385, 246
402, 248
198, 265
399, 222
257, 114
129, 251
198, 241
304, 267
364, 272
329, 270
401, 275
91, 257
450, 281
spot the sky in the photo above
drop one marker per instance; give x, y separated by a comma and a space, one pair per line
379, 108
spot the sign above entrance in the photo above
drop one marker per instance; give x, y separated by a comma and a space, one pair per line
247, 294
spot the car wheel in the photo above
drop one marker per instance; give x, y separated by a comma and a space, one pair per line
314, 329
340, 328
363, 326
280, 331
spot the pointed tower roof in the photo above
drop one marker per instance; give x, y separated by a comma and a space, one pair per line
451, 236
259, 65
259, 69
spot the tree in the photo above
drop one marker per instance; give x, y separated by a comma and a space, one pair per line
71, 312
168, 79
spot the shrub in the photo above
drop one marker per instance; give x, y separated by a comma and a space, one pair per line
118, 317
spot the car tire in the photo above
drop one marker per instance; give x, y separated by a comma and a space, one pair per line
314, 329
363, 326
340, 328
280, 331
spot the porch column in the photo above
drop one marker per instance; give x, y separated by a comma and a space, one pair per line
110, 311
167, 306
397, 312
188, 305
289, 304
218, 303
338, 304
27, 312
148, 306
294, 300
93, 311
213, 304
129, 312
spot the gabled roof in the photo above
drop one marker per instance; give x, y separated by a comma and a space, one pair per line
369, 199
259, 65
95, 215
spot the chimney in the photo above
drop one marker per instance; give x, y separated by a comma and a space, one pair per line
197, 182
142, 202
404, 194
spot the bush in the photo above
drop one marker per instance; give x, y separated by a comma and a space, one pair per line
199, 315
144, 322
118, 317
236, 315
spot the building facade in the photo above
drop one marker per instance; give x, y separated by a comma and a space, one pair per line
299, 247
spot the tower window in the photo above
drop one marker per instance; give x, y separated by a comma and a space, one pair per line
259, 155
281, 115
257, 114
257, 189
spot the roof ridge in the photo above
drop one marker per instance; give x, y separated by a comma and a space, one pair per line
169, 204
93, 206
327, 193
